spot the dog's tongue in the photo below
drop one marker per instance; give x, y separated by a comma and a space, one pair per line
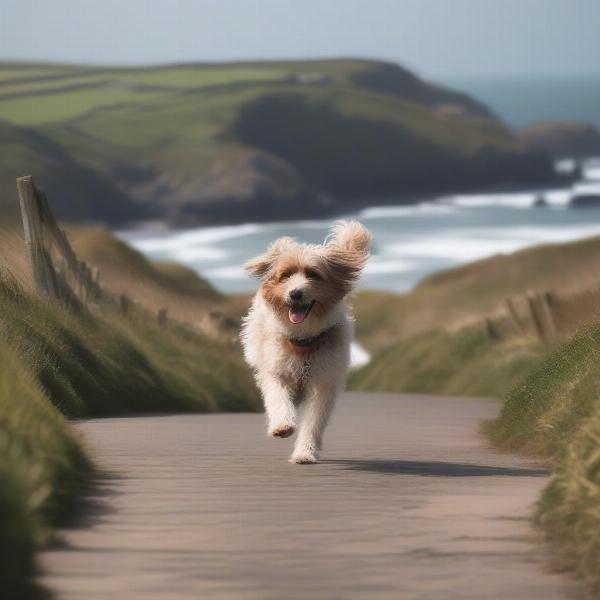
297, 315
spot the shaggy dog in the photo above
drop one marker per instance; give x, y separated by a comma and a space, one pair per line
297, 334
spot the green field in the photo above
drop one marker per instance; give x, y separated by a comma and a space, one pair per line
225, 142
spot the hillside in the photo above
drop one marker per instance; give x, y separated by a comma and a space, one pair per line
466, 294
231, 142
78, 192
97, 360
434, 340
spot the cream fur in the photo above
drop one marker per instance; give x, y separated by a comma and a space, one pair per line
303, 388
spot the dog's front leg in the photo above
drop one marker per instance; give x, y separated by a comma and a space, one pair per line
279, 404
319, 403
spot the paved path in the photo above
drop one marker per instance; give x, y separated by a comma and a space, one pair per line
408, 503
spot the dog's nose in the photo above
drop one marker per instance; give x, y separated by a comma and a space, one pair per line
296, 294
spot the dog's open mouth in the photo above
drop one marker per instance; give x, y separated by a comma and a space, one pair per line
298, 312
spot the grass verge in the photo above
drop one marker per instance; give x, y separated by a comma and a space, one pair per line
555, 412
464, 362
54, 364
42, 466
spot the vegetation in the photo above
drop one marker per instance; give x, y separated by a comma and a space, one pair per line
435, 338
425, 342
240, 141
93, 362
465, 363
555, 412
42, 465
466, 294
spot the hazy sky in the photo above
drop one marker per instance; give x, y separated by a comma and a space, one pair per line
438, 38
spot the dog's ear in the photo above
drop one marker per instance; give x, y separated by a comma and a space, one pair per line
350, 236
347, 252
261, 264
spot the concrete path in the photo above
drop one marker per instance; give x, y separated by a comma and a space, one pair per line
409, 502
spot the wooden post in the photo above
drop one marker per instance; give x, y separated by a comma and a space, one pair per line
45, 240
492, 330
32, 227
514, 314
536, 316
162, 317
549, 302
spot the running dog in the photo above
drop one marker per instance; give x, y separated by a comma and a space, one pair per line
297, 334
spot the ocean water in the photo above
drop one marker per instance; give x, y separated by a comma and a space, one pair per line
409, 242
522, 101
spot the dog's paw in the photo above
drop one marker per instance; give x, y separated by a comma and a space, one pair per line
282, 431
304, 458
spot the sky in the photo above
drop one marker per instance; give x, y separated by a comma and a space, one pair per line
436, 38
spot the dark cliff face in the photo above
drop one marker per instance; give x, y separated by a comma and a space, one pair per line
562, 139
356, 157
256, 186
77, 192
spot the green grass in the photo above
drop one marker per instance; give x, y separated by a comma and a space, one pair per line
555, 412
107, 364
461, 363
89, 363
476, 290
68, 104
15, 72
42, 467
192, 77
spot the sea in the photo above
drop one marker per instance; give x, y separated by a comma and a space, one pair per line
409, 242
520, 101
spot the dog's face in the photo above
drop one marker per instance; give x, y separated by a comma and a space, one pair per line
304, 282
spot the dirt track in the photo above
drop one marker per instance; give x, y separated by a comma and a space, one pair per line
409, 502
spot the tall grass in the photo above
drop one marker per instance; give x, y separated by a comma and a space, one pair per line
107, 364
86, 363
466, 294
464, 362
42, 465
555, 412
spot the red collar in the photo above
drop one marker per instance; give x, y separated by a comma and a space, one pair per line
309, 345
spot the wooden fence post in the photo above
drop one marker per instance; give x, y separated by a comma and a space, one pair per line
514, 314
32, 227
536, 316
491, 330
542, 317
67, 279
549, 301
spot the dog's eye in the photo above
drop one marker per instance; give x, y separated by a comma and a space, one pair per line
285, 275
312, 274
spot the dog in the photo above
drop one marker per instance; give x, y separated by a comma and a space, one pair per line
297, 334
